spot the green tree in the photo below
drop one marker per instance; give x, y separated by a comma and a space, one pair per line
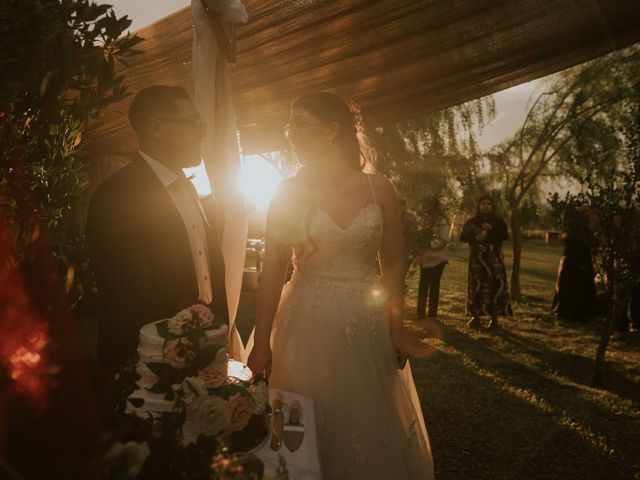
58, 63
435, 155
576, 111
612, 190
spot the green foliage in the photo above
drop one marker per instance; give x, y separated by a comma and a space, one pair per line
610, 185
432, 156
572, 120
58, 70
573, 123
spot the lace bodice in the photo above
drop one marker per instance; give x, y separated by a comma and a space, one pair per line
347, 254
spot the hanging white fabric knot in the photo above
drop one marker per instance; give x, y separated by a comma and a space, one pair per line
232, 11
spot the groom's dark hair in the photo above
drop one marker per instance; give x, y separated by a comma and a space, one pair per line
153, 101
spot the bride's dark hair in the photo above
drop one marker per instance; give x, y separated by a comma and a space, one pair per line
351, 139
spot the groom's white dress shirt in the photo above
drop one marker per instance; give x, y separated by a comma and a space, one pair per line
191, 212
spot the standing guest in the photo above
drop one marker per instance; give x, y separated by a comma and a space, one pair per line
575, 296
433, 259
487, 292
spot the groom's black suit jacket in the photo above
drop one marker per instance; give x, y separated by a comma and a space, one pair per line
141, 258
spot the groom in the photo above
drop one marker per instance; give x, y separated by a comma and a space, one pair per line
152, 249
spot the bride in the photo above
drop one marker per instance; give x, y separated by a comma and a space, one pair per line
334, 332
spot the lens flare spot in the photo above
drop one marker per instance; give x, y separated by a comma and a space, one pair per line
377, 297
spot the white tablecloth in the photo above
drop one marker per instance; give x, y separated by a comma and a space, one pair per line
303, 464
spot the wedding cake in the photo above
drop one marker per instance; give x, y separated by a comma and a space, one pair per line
184, 369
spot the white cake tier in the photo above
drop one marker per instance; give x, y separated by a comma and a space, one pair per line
148, 378
156, 403
151, 346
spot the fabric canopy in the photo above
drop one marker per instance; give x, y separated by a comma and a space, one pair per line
398, 59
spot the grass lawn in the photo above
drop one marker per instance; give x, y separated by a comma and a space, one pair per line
516, 404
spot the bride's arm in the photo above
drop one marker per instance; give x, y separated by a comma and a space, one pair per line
392, 262
274, 271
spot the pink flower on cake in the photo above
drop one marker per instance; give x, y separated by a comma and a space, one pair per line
204, 313
179, 353
213, 415
241, 410
179, 323
213, 377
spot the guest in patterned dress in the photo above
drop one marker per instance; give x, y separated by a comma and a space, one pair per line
487, 292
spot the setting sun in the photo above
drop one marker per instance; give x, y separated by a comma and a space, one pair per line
258, 181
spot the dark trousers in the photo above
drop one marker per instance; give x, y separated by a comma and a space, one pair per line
429, 286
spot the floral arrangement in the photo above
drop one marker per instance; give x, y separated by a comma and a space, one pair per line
224, 415
183, 337
234, 411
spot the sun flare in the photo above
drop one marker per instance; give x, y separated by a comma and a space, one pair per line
258, 181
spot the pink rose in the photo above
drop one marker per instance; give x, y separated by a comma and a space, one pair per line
241, 411
179, 353
204, 313
213, 377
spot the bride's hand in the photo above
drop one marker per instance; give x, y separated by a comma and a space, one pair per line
401, 345
260, 360
407, 345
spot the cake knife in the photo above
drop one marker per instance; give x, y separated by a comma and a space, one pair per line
293, 433
276, 424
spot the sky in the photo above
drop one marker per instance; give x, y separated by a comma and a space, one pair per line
510, 104
143, 14
511, 110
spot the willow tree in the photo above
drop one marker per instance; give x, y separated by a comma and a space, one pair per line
434, 155
561, 118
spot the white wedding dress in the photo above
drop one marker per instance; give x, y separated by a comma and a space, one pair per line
331, 343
